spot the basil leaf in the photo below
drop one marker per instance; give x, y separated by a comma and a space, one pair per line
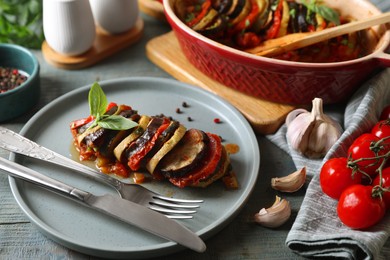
98, 104
97, 100
326, 12
115, 122
21, 23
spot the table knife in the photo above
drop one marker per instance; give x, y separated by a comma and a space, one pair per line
114, 206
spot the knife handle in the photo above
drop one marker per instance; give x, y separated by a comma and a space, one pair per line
20, 171
14, 142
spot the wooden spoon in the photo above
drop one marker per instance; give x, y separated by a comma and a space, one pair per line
295, 41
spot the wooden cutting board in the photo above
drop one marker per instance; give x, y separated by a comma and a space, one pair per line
104, 46
265, 116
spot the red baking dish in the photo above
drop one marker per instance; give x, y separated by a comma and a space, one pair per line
281, 81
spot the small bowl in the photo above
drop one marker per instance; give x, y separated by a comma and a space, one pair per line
19, 100
282, 81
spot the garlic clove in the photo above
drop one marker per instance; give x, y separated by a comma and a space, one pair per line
290, 183
294, 114
276, 215
299, 128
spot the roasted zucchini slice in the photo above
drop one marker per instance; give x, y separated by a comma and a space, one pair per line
165, 148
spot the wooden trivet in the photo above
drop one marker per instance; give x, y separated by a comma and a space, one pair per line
104, 46
152, 8
265, 116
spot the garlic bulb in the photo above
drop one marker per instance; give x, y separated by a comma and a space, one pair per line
312, 133
291, 182
274, 216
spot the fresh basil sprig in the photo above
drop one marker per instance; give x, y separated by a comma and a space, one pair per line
21, 22
325, 11
97, 105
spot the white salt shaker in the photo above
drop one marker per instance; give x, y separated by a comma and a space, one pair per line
115, 16
68, 26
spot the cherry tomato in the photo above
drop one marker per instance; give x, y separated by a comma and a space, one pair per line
382, 130
385, 184
358, 209
385, 113
336, 176
360, 148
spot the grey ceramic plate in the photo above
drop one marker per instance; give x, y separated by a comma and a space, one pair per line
90, 232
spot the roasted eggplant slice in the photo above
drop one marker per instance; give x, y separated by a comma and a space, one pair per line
186, 155
216, 29
245, 10
293, 26
119, 150
222, 6
145, 143
311, 19
205, 168
301, 19
236, 8
108, 142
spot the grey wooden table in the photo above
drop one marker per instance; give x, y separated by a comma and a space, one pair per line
241, 239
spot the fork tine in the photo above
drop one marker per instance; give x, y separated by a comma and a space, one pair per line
172, 205
172, 211
179, 216
176, 200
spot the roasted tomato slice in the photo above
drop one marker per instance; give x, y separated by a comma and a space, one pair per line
144, 148
196, 16
274, 30
80, 122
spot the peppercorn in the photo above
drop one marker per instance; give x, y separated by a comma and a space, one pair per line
11, 78
217, 120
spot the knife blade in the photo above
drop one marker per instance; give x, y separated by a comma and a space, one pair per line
116, 207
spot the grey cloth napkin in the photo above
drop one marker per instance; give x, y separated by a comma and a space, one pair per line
317, 232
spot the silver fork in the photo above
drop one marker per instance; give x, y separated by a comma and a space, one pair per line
171, 207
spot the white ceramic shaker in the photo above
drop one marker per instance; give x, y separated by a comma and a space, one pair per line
115, 16
68, 26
